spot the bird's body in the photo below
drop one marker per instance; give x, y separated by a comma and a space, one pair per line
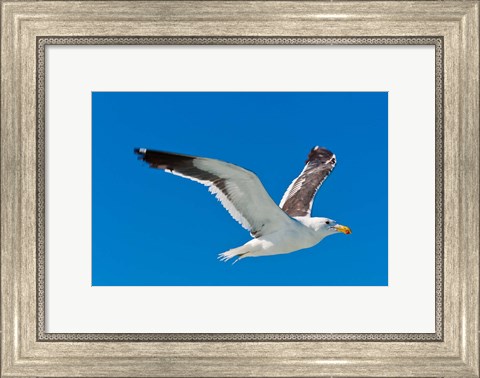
275, 229
294, 237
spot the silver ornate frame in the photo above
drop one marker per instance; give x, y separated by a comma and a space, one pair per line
453, 26
42, 42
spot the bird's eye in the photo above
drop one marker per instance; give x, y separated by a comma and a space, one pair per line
327, 222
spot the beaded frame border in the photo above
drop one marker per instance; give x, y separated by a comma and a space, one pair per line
43, 42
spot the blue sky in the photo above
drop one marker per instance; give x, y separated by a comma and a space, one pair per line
153, 228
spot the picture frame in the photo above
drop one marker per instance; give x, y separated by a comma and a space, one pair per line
27, 351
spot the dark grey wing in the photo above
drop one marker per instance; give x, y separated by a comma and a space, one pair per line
239, 190
298, 199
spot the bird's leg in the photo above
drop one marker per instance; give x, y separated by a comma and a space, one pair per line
225, 256
240, 257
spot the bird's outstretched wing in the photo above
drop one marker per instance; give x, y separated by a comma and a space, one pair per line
239, 190
298, 199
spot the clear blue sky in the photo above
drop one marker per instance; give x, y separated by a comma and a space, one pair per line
153, 228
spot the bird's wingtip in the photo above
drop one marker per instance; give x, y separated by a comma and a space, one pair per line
318, 152
140, 151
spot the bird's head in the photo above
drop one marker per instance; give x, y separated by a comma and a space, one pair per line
327, 227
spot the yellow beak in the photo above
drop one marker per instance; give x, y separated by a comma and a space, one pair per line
346, 230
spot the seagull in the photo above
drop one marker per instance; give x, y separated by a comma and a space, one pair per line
275, 230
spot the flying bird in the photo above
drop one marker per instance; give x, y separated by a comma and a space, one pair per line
280, 229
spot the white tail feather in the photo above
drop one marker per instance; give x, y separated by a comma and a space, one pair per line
241, 252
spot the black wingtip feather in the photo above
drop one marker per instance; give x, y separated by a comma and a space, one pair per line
162, 159
141, 153
319, 153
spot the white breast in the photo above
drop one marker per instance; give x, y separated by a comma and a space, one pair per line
288, 240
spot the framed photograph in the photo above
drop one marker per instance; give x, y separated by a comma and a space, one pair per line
240, 189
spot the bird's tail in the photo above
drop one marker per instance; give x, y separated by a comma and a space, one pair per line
241, 252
